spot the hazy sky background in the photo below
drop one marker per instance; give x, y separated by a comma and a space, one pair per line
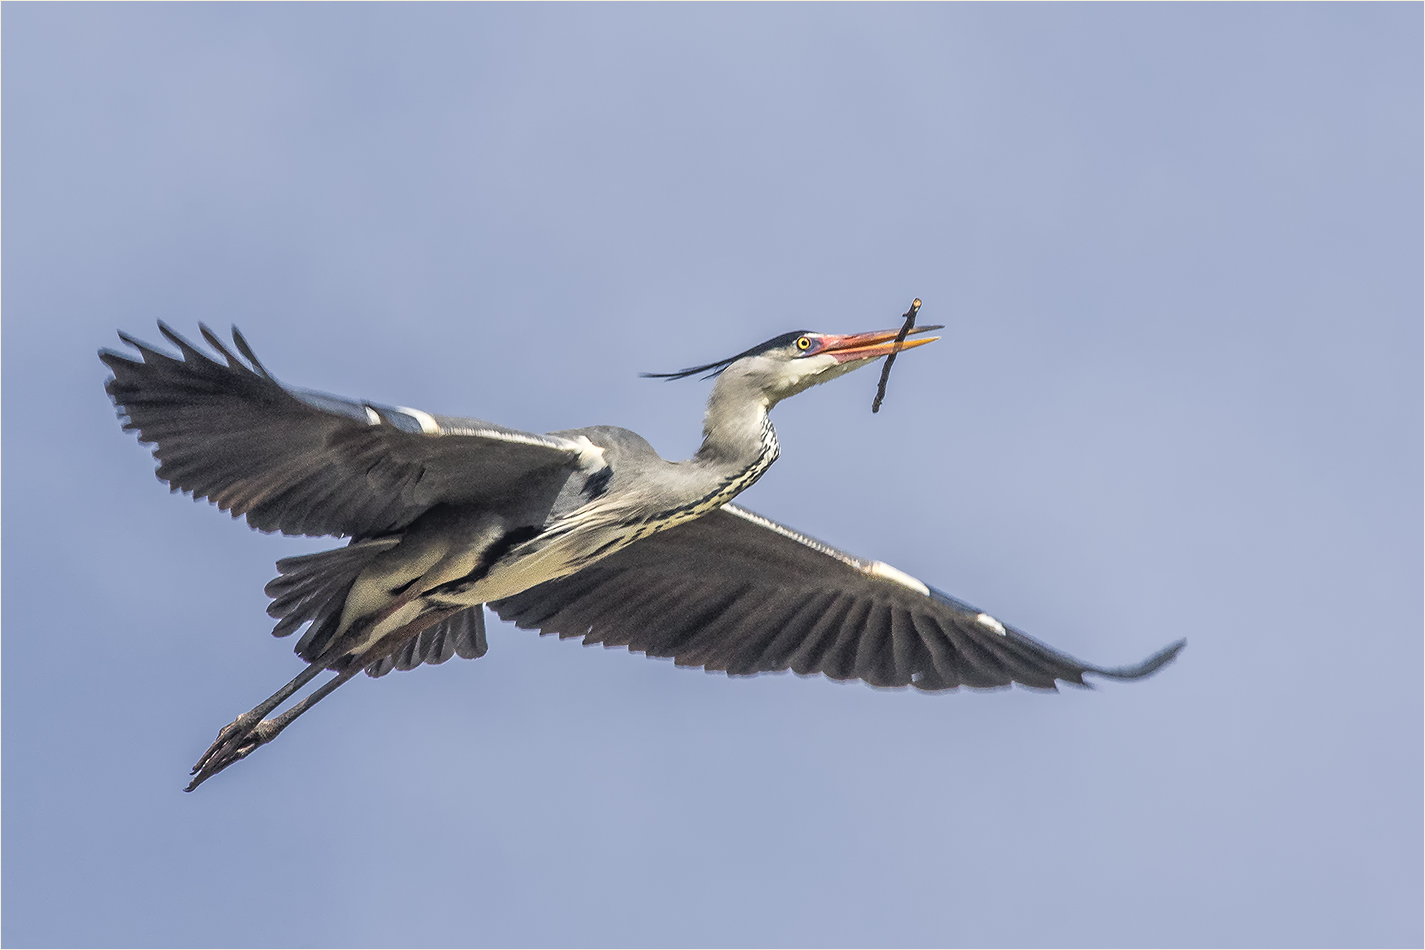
1179, 252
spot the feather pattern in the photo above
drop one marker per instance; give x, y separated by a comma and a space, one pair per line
767, 599
313, 587
462, 635
306, 463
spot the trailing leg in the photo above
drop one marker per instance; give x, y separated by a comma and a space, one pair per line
238, 730
238, 744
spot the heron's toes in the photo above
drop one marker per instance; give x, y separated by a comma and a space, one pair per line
236, 729
239, 745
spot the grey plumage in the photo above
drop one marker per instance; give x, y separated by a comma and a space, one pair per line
586, 533
734, 592
462, 635
310, 464
311, 589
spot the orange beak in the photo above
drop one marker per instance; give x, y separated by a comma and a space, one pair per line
865, 346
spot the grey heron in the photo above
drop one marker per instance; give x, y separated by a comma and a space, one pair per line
585, 533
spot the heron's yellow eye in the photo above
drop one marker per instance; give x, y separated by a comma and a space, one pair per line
804, 343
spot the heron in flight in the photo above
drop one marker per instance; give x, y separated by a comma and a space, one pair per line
586, 533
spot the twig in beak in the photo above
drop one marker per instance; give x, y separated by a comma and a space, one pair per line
900, 338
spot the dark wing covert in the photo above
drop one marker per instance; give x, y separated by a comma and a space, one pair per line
307, 463
735, 592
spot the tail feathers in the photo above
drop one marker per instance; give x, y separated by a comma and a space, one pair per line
461, 634
313, 589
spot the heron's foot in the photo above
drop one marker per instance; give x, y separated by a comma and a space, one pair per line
235, 730
235, 742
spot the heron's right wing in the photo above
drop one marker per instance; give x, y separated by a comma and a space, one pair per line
308, 463
733, 591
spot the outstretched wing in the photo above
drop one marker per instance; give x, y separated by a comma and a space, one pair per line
733, 591
308, 463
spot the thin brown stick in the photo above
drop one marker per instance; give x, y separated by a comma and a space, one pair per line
909, 316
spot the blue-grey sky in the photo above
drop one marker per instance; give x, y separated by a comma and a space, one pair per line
1178, 250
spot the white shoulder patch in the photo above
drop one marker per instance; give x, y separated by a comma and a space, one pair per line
992, 623
372, 418
427, 421
591, 456
884, 571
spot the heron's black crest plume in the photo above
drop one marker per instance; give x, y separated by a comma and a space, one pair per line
715, 369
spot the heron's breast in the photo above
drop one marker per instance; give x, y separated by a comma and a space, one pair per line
558, 552
600, 529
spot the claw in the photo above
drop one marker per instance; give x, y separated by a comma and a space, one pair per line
236, 742
243, 735
237, 729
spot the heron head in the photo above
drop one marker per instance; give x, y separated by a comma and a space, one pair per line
788, 364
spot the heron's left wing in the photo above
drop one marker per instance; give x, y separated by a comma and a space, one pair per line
303, 462
735, 592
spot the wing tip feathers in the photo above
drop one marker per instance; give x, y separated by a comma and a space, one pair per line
1144, 669
187, 351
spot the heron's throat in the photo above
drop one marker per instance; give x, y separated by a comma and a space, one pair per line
739, 444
